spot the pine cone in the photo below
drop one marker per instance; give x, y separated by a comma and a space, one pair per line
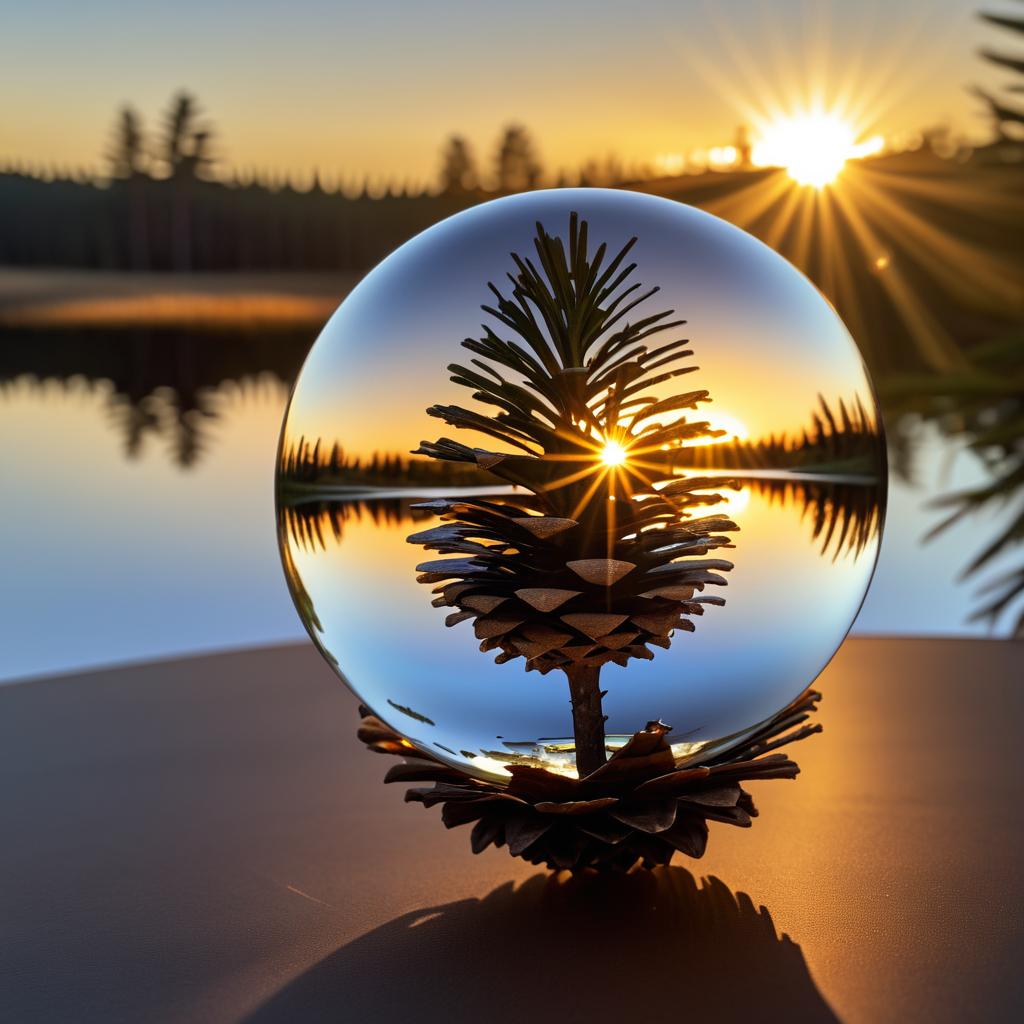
532, 591
637, 807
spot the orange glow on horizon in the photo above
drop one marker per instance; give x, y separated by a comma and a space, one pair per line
734, 429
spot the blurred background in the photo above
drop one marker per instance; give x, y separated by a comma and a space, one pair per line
187, 192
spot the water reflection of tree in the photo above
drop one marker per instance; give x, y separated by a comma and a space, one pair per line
164, 384
984, 408
845, 518
286, 534
983, 404
179, 419
310, 525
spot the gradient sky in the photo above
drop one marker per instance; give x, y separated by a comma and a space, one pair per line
372, 89
765, 341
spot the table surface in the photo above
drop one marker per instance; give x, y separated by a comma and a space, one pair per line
205, 840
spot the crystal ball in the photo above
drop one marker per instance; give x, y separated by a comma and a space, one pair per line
572, 462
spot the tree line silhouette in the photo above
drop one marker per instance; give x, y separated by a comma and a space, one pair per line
160, 206
308, 463
842, 438
191, 224
319, 465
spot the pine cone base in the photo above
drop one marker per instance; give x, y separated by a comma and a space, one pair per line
638, 808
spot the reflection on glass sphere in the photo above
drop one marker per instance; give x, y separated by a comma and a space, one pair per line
575, 461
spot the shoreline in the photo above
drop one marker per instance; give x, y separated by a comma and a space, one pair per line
56, 298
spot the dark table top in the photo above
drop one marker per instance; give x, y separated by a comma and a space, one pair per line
205, 840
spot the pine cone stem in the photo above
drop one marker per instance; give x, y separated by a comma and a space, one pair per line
587, 717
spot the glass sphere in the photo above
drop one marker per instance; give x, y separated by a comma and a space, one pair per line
575, 461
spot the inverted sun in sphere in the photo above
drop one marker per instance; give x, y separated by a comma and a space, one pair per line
613, 454
812, 147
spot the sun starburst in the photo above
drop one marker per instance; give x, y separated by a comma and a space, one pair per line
812, 146
613, 454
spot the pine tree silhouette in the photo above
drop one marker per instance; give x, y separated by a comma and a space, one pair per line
126, 154
458, 168
518, 168
1007, 113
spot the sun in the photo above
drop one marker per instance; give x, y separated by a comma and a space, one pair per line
613, 454
731, 503
734, 429
812, 146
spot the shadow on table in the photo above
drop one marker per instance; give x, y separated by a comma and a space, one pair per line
589, 949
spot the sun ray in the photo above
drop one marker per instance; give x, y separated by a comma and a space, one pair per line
776, 231
589, 493
838, 278
934, 342
573, 478
781, 209
948, 192
828, 234
817, 52
742, 67
751, 202
960, 266
894, 79
804, 227
852, 74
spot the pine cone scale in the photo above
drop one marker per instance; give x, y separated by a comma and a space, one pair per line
630, 811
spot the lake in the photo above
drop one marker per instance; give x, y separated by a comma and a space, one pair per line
137, 473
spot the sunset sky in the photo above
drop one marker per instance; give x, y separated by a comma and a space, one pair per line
765, 341
372, 89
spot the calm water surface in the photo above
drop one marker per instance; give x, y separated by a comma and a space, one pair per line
137, 479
